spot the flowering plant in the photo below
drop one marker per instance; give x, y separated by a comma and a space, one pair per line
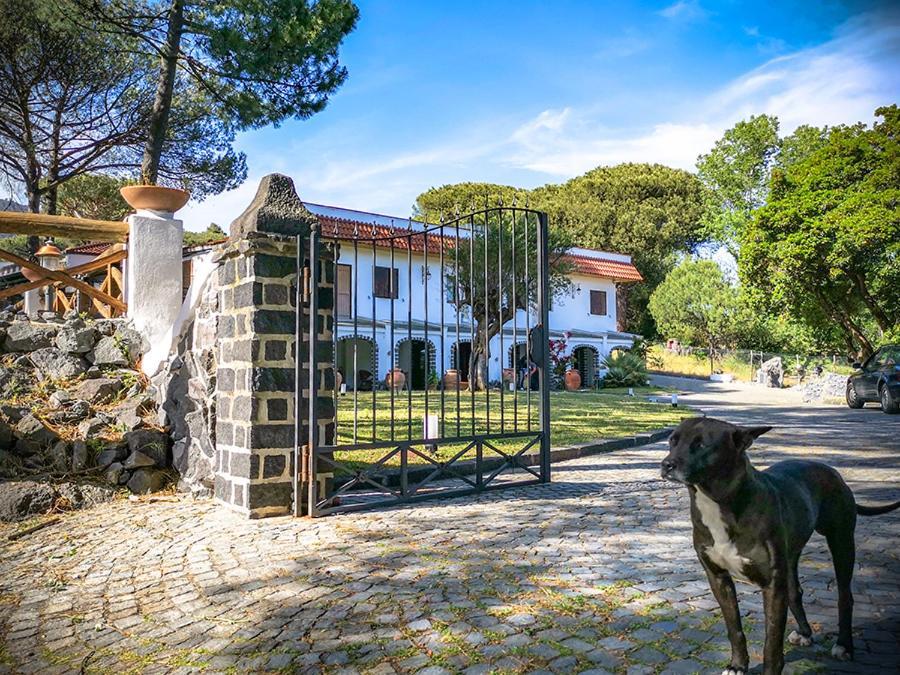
559, 361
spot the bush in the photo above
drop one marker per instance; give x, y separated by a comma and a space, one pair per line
624, 369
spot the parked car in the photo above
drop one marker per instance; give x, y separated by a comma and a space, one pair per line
878, 379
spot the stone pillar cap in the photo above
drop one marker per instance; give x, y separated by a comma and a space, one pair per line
275, 209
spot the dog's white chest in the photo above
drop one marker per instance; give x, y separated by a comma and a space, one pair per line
723, 552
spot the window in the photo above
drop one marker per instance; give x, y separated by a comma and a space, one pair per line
598, 303
387, 285
344, 290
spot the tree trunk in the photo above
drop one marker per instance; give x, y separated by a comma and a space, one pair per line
162, 103
478, 367
880, 316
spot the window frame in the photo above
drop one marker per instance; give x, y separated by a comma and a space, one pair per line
393, 281
591, 302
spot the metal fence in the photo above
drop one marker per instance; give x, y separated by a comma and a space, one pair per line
436, 428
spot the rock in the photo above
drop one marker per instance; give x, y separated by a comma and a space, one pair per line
124, 478
59, 397
23, 499
57, 365
13, 413
25, 447
10, 465
85, 495
6, 435
79, 455
30, 428
153, 443
110, 454
147, 480
91, 427
827, 387
93, 373
79, 410
132, 342
98, 390
113, 473
771, 373
137, 460
108, 352
74, 339
275, 208
26, 336
59, 456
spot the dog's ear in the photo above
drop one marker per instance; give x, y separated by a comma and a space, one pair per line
744, 436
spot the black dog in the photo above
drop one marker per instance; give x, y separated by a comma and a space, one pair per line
752, 525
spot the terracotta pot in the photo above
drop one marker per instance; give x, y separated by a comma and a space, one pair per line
338, 380
155, 197
573, 380
31, 275
451, 379
395, 379
509, 375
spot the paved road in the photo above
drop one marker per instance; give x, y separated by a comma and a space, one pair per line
593, 573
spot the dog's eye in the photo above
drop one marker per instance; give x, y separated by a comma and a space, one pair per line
673, 440
697, 442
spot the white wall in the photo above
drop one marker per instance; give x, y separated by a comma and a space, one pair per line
569, 312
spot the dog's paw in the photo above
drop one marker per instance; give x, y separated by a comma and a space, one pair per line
734, 671
800, 640
841, 653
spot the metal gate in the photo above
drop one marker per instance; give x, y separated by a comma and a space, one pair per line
424, 323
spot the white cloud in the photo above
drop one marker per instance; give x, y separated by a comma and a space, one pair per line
684, 10
840, 82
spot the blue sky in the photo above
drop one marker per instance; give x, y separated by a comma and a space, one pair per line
527, 93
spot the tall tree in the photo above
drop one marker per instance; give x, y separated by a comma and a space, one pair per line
827, 244
70, 101
648, 211
256, 62
93, 195
493, 291
736, 175
697, 306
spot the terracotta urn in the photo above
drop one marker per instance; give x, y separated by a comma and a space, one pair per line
395, 379
338, 379
155, 197
451, 379
573, 380
31, 275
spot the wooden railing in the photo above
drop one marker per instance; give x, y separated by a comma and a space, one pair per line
43, 225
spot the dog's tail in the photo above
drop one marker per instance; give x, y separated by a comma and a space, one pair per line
876, 510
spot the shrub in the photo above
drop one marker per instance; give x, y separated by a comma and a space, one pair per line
624, 369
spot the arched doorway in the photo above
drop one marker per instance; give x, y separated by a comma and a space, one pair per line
460, 357
416, 358
365, 372
587, 363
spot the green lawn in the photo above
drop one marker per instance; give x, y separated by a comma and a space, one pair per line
576, 417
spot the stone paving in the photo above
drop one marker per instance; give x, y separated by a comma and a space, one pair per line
591, 574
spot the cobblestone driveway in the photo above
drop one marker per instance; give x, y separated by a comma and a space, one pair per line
592, 573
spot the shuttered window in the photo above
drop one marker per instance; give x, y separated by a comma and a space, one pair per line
344, 282
387, 284
598, 303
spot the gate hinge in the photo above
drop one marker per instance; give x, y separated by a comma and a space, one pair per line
305, 289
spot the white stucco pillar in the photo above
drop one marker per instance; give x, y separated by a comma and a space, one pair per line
154, 285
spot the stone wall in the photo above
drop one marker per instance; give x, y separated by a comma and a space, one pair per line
75, 407
187, 385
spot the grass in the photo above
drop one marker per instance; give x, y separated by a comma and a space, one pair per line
737, 364
576, 417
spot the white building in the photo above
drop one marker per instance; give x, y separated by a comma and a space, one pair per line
587, 318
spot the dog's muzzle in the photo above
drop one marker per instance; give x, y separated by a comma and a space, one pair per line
669, 471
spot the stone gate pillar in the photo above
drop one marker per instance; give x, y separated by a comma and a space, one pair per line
256, 380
